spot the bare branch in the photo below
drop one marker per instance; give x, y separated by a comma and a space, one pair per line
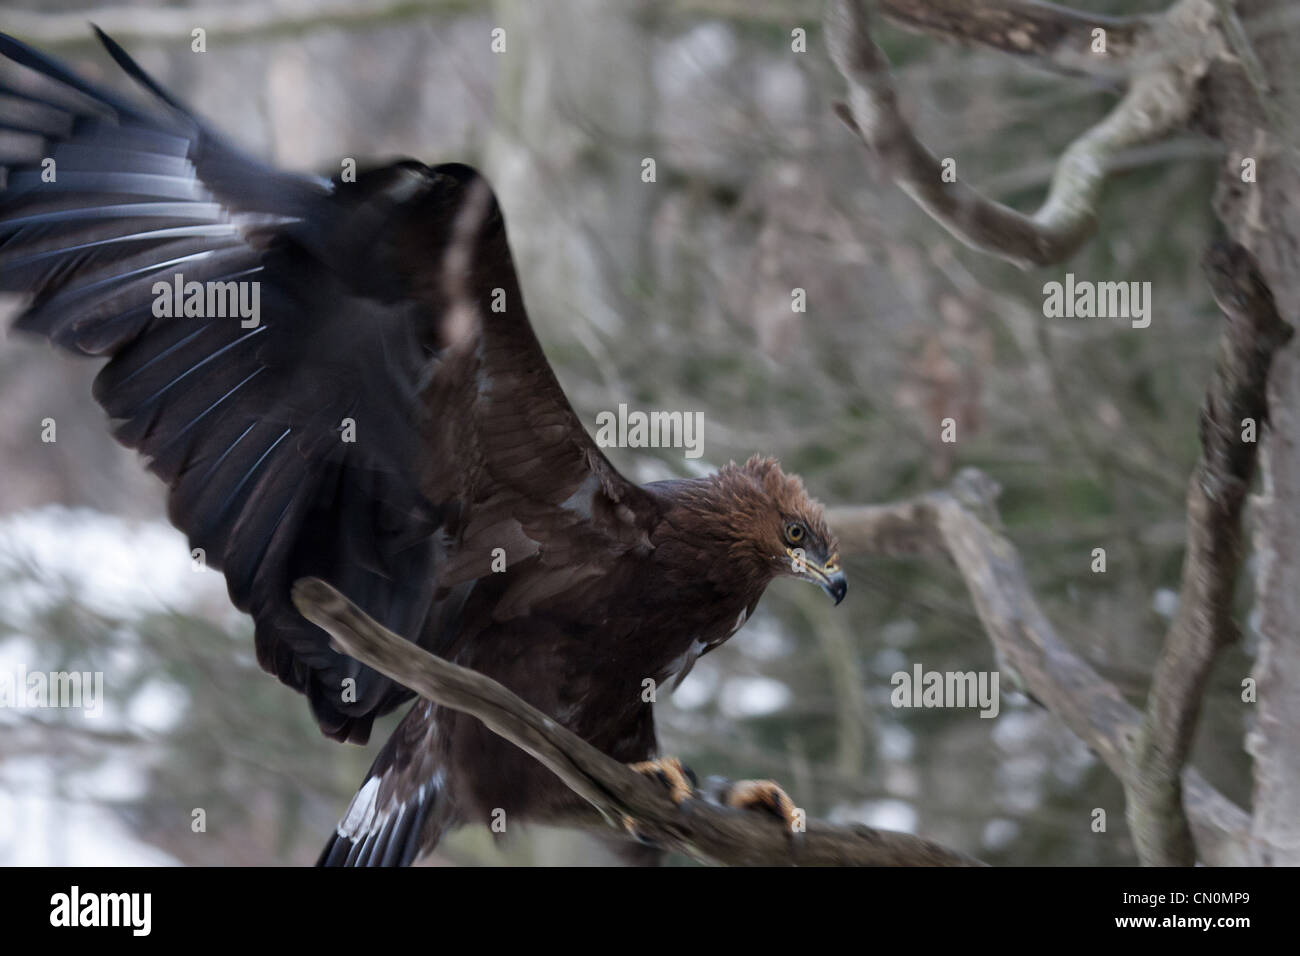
702, 830
897, 530
1059, 37
1216, 493
1159, 100
963, 523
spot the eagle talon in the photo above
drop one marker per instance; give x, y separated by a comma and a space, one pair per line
765, 796
679, 779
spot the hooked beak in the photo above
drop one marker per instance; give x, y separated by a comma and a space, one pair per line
828, 576
835, 585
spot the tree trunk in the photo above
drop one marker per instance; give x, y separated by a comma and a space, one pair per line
1264, 216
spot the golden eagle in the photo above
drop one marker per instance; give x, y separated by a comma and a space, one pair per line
337, 378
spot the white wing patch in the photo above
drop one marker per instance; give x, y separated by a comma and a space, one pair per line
360, 817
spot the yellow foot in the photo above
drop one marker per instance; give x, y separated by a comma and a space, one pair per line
764, 795
669, 771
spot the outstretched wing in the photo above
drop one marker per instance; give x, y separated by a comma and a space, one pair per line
373, 424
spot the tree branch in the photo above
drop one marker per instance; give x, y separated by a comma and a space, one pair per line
701, 830
1057, 36
1159, 99
963, 523
1216, 493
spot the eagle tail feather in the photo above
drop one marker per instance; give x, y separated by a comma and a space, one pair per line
406, 833
399, 813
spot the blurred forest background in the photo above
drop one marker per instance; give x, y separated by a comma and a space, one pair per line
669, 295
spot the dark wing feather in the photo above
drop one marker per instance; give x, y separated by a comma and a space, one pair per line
242, 423
376, 306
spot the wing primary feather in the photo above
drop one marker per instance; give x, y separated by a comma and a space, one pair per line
196, 366
129, 184
145, 366
252, 470
133, 70
207, 475
126, 210
74, 293
203, 414
33, 59
224, 230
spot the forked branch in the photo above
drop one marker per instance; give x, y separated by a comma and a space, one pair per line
1171, 57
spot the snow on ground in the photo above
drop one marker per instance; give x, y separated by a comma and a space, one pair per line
38, 827
117, 568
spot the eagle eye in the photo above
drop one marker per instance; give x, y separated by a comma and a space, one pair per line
794, 532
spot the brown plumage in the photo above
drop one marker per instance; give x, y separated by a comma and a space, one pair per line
389, 424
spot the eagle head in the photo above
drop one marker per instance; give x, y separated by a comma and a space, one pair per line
783, 528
